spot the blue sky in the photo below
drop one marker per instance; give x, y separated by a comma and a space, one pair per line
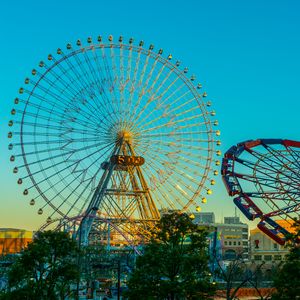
245, 53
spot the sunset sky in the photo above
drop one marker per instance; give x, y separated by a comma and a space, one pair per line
245, 53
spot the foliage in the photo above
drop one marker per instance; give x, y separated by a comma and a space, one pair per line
288, 277
174, 264
45, 269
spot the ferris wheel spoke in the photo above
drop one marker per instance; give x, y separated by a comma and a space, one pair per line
295, 156
166, 112
64, 154
121, 80
88, 185
52, 85
272, 163
129, 65
160, 105
59, 78
60, 193
283, 211
85, 85
99, 85
279, 155
271, 174
116, 82
145, 91
82, 79
172, 122
266, 182
55, 112
133, 83
104, 97
110, 81
58, 130
154, 95
267, 171
142, 86
73, 164
70, 71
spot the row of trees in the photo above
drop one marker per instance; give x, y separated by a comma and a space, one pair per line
173, 266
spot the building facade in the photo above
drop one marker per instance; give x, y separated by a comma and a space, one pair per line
263, 248
232, 235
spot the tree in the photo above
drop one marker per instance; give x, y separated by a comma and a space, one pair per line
234, 275
174, 264
287, 278
237, 274
45, 269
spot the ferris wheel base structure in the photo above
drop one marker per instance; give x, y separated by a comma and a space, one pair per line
264, 175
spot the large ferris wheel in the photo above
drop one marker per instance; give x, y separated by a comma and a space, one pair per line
114, 131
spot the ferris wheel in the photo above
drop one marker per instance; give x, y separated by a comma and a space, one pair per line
113, 130
264, 177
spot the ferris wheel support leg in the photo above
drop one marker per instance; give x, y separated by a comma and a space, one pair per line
88, 219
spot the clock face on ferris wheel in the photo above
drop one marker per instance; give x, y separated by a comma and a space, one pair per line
77, 105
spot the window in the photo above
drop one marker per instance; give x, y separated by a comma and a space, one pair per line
239, 243
268, 257
257, 257
230, 254
234, 243
225, 243
245, 230
275, 246
245, 243
229, 243
277, 257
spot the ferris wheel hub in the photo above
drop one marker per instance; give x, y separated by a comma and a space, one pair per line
124, 135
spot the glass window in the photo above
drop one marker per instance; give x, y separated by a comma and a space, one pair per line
225, 243
257, 257
275, 246
229, 243
245, 243
234, 243
268, 257
277, 257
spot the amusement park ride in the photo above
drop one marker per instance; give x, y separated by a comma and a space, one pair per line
108, 135
264, 177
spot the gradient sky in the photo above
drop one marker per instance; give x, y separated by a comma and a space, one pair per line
245, 53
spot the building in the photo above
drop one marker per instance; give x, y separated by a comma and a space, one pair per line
263, 248
231, 236
207, 218
235, 238
14, 240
